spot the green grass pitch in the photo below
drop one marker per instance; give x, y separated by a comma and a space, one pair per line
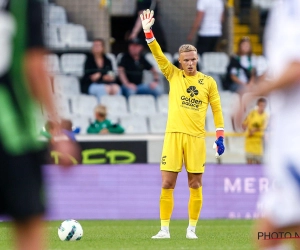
133, 235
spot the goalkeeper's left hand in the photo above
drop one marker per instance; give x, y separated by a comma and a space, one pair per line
147, 22
218, 145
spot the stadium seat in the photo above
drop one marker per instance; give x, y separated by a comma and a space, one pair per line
84, 105
56, 14
122, 8
113, 119
116, 105
66, 85
152, 61
162, 103
263, 4
229, 100
157, 123
218, 80
215, 62
82, 122
52, 64
228, 122
142, 105
63, 105
261, 65
113, 60
74, 36
52, 37
73, 64
119, 57
134, 124
209, 121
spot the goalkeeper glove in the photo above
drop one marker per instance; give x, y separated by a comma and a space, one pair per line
147, 22
218, 145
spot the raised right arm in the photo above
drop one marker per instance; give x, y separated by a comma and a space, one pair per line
166, 67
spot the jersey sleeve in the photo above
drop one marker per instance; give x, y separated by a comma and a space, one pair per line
166, 67
215, 103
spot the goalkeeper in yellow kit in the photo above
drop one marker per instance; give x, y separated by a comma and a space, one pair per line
190, 94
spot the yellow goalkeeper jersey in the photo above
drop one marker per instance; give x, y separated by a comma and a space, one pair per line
189, 97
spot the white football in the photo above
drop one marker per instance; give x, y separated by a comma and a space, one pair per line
70, 230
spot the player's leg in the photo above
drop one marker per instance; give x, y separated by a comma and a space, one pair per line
195, 203
194, 158
166, 203
23, 197
30, 234
171, 164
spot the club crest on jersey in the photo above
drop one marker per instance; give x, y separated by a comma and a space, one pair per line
192, 91
200, 81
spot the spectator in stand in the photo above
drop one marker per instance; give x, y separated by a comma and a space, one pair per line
137, 31
131, 68
99, 78
242, 67
103, 126
208, 22
255, 125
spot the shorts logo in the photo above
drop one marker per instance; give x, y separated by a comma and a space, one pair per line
163, 160
192, 91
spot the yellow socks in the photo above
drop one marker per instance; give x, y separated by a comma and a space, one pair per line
195, 204
166, 207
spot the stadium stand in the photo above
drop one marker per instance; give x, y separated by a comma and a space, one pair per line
83, 105
134, 124
157, 123
139, 114
214, 62
113, 60
81, 122
66, 85
142, 105
74, 35
52, 38
261, 65
162, 103
263, 4
73, 63
151, 59
53, 64
116, 105
63, 105
56, 15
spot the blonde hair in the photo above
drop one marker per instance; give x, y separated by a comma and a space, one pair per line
100, 109
187, 48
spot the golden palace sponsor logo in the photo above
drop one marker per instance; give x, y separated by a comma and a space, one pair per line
192, 102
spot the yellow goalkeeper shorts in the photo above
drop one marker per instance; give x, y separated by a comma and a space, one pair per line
179, 148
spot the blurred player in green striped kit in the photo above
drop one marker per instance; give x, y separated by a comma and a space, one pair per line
23, 81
